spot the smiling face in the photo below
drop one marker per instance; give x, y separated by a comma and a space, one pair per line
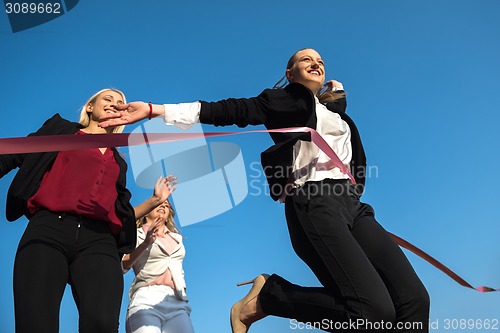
308, 69
162, 211
105, 102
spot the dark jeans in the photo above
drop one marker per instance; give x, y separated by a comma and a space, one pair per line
57, 249
368, 283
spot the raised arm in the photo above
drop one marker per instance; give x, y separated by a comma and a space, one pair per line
232, 111
334, 96
163, 188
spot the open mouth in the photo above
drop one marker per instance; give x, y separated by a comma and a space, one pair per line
315, 72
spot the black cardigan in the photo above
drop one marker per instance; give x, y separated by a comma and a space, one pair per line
33, 166
293, 106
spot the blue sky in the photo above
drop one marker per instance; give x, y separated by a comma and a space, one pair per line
422, 79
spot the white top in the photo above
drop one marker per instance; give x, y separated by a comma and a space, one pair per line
155, 260
311, 163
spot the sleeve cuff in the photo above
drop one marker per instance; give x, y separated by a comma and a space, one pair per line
182, 115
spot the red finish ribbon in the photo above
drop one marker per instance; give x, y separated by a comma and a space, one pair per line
34, 144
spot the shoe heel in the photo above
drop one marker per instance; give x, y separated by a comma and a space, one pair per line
244, 283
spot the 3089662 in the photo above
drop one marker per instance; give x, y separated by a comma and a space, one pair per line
33, 8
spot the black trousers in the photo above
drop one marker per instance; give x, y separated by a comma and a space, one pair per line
57, 249
368, 283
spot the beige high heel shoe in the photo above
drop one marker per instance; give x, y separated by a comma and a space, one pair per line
237, 326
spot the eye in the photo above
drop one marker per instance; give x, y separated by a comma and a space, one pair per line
321, 62
306, 59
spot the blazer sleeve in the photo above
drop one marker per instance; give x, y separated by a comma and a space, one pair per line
339, 105
9, 162
236, 111
12, 161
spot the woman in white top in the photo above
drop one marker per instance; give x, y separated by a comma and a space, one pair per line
367, 282
158, 300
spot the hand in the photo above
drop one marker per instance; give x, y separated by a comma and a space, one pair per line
127, 114
152, 231
163, 188
333, 84
331, 91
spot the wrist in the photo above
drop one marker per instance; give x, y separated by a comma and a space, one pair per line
154, 201
157, 110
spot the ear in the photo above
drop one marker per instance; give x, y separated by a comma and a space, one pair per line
90, 107
289, 75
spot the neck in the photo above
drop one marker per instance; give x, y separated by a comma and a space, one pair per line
161, 229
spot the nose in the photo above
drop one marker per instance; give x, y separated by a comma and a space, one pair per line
315, 64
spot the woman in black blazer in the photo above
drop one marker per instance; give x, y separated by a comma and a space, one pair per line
367, 282
80, 223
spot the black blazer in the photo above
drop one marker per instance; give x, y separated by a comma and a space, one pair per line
293, 106
33, 166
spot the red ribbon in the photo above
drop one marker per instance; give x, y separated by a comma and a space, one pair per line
34, 144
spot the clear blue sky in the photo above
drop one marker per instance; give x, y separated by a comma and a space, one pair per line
422, 78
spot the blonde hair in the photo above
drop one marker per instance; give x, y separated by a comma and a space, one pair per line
85, 116
170, 223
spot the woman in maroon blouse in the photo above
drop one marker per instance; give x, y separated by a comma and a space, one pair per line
81, 222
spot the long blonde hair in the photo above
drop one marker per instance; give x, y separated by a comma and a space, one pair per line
85, 116
170, 223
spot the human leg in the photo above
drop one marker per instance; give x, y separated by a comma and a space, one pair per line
181, 323
320, 230
41, 274
156, 309
175, 313
96, 278
408, 294
143, 321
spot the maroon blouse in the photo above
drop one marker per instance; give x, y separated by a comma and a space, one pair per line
81, 182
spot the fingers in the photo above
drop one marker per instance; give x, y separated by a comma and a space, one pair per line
159, 181
112, 123
108, 116
171, 178
157, 222
122, 107
171, 181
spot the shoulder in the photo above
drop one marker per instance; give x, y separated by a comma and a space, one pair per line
56, 118
58, 125
176, 236
294, 98
292, 90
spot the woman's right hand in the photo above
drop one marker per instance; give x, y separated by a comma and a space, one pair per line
164, 187
331, 91
152, 231
130, 113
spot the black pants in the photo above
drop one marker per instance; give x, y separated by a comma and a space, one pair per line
57, 249
368, 283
